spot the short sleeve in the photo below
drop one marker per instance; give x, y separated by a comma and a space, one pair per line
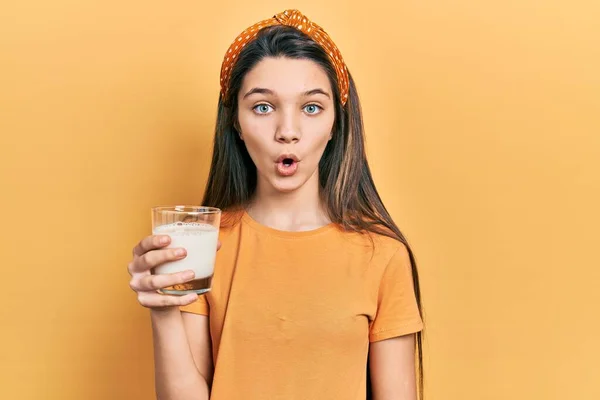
200, 306
397, 311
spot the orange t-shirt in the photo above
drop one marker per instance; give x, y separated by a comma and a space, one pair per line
292, 313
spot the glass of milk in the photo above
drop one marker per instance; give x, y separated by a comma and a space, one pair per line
196, 229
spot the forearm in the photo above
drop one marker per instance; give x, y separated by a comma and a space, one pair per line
176, 374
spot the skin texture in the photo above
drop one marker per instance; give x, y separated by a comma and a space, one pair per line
286, 106
282, 119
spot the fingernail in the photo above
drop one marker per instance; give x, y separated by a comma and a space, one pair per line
164, 240
188, 274
180, 252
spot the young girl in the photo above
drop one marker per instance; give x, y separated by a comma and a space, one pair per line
315, 293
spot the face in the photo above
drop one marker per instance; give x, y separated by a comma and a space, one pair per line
286, 115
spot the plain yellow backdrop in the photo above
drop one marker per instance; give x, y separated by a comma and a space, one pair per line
483, 132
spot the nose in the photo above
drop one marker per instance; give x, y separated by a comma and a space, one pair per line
288, 129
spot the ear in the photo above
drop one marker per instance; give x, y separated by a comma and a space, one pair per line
236, 126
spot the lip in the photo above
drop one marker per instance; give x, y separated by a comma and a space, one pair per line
282, 170
290, 156
286, 170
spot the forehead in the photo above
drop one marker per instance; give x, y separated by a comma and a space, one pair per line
286, 76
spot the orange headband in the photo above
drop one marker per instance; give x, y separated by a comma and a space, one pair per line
295, 19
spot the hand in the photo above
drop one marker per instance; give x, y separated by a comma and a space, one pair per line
150, 253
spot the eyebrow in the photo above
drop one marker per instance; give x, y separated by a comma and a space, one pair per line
316, 91
270, 92
258, 90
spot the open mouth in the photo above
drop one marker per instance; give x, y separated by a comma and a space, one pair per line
287, 165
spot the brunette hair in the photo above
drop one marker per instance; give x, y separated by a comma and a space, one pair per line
346, 184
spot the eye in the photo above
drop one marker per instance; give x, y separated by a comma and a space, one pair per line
312, 109
262, 108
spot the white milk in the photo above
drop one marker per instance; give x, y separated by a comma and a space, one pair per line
200, 241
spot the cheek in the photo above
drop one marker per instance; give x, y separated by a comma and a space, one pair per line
320, 140
255, 134
254, 145
257, 146
325, 125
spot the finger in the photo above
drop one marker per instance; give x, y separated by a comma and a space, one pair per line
149, 243
156, 300
131, 268
155, 282
154, 258
218, 245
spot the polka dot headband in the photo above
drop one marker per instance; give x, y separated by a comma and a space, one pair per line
295, 19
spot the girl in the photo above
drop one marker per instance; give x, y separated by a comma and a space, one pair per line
315, 293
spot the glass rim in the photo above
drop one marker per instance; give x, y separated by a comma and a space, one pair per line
185, 209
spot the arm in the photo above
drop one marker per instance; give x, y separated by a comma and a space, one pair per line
180, 372
392, 364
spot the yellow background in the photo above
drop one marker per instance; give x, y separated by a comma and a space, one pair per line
483, 132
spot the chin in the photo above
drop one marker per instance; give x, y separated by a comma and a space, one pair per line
287, 185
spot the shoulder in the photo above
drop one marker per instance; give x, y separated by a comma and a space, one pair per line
230, 222
381, 247
230, 219
372, 239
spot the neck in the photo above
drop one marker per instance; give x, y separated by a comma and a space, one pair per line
298, 210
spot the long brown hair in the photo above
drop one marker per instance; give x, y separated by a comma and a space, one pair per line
346, 184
